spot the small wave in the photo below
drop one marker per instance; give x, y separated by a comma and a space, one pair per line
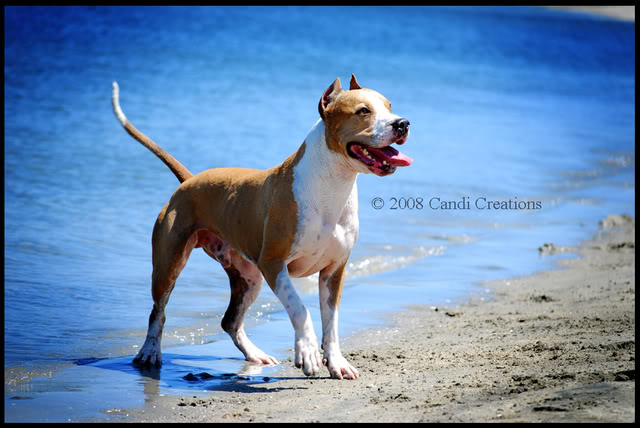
378, 264
463, 239
624, 160
16, 379
371, 265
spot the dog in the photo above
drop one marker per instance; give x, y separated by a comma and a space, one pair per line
293, 220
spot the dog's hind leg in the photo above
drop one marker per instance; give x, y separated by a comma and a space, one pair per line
245, 280
171, 250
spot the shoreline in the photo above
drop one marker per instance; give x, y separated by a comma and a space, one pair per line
558, 345
624, 13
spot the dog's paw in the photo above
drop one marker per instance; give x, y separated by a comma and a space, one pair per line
260, 357
308, 355
149, 355
339, 368
251, 352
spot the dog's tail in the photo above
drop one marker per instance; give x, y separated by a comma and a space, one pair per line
176, 167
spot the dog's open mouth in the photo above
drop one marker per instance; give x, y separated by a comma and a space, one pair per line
380, 161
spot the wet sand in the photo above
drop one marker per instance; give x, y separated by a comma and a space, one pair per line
555, 346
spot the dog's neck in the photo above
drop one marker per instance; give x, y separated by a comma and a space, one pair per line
323, 177
328, 165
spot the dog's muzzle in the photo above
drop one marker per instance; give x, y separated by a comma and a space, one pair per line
401, 129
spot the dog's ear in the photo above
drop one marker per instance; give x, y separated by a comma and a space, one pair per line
354, 83
329, 95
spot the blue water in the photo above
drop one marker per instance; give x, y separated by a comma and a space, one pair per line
517, 103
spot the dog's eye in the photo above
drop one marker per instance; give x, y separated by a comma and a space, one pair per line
363, 110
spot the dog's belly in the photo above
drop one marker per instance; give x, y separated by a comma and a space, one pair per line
226, 255
302, 265
315, 249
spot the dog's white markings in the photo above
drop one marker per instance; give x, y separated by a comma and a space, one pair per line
383, 130
307, 355
151, 353
324, 185
115, 100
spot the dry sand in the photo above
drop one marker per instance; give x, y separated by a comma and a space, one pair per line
555, 346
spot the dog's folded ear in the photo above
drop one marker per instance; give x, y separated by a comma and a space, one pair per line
329, 95
354, 83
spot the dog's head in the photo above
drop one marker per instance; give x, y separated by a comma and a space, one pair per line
359, 125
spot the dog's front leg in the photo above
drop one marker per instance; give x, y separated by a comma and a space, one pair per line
306, 343
331, 282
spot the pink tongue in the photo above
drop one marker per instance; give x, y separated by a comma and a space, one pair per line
392, 156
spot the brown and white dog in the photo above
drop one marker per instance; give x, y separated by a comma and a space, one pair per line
293, 220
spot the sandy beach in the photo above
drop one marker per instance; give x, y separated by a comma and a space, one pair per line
556, 346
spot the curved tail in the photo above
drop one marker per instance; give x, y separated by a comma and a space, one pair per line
176, 167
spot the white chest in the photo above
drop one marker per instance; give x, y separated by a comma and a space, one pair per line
326, 195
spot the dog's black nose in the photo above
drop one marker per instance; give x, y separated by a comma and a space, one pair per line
401, 126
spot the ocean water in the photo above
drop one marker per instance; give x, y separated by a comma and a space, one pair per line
520, 104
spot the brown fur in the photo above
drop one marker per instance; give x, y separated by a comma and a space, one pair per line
253, 211
335, 283
176, 167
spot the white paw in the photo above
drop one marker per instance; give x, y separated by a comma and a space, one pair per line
251, 352
261, 358
340, 368
149, 355
307, 355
